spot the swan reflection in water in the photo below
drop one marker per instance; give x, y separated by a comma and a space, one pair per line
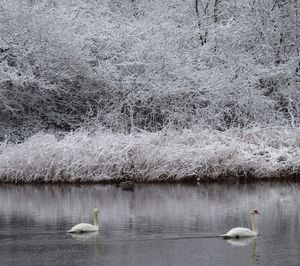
86, 236
92, 238
244, 242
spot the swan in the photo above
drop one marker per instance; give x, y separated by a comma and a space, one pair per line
238, 232
85, 227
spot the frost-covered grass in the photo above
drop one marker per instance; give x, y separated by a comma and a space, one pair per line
162, 156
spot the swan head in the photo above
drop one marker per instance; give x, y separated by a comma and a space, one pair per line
254, 211
96, 210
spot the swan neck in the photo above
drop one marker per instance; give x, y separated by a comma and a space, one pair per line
96, 221
253, 223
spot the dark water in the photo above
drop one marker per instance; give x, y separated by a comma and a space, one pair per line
154, 225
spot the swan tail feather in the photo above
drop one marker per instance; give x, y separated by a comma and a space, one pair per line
72, 231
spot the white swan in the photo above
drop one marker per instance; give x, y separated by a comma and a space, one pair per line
238, 232
85, 227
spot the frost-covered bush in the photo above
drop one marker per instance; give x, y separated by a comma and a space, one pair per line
160, 156
147, 65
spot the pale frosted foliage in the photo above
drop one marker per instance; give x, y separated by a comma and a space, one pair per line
147, 65
198, 80
104, 156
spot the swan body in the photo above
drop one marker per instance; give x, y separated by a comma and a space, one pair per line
85, 227
239, 232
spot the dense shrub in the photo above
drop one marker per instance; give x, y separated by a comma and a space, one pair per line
147, 65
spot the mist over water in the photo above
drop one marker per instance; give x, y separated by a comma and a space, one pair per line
165, 224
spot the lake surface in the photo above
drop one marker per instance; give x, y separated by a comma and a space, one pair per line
156, 224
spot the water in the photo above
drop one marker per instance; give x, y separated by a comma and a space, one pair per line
154, 225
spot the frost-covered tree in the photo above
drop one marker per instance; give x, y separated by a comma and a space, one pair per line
147, 65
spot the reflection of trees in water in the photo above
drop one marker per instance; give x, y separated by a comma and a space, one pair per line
204, 207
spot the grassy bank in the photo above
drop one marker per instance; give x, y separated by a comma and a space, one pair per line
104, 156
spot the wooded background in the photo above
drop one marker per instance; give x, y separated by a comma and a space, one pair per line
131, 65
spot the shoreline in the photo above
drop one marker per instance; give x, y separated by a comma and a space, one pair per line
293, 178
